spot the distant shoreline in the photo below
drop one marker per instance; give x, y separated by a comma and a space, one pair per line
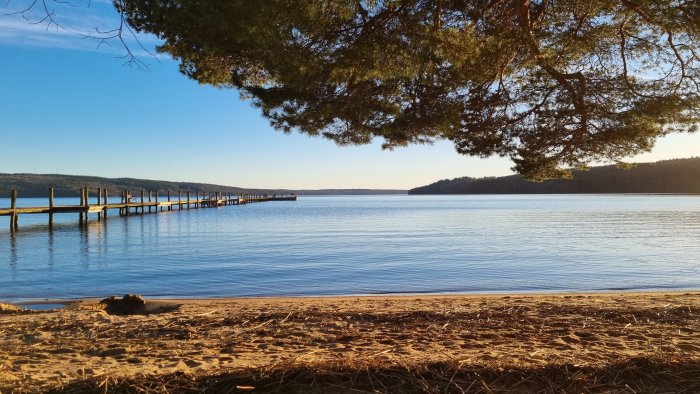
443, 194
667, 176
37, 185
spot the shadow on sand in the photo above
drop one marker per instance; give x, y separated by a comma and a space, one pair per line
633, 375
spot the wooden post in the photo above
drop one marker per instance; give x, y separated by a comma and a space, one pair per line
51, 207
188, 199
87, 204
179, 200
82, 203
85, 197
149, 200
170, 207
13, 205
142, 193
99, 200
156, 201
128, 201
106, 202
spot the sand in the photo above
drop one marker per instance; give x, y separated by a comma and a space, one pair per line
214, 337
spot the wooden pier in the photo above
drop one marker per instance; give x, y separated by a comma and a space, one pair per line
146, 202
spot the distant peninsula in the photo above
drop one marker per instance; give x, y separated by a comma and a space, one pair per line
37, 185
667, 176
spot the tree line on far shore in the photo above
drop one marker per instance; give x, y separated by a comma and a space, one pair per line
668, 176
37, 185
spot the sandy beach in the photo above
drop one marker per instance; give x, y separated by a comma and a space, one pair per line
558, 342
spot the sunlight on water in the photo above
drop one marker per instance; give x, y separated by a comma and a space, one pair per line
361, 245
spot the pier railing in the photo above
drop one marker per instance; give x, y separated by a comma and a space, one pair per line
147, 202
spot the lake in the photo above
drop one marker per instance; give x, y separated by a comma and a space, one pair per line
344, 245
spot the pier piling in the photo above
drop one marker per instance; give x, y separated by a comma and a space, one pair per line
13, 205
51, 207
99, 200
102, 205
82, 202
105, 203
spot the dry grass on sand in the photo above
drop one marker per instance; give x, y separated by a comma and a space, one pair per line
620, 342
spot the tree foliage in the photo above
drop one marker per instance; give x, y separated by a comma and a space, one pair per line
552, 84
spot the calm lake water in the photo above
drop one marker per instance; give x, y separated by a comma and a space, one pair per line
361, 245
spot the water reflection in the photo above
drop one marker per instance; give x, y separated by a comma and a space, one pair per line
13, 254
102, 242
84, 245
51, 251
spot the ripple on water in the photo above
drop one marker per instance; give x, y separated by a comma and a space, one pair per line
363, 245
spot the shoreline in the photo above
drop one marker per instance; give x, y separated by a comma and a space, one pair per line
84, 344
535, 293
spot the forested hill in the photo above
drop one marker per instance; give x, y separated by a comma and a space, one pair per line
37, 185
668, 176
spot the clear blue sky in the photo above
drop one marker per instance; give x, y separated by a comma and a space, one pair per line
68, 107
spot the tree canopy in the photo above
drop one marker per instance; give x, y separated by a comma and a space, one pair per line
551, 84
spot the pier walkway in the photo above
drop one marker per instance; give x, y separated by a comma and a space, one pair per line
131, 205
